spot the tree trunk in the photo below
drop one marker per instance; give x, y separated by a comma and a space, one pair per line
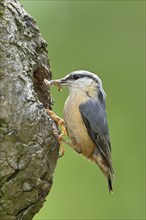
28, 149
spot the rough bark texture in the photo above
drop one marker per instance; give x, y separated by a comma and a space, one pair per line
28, 149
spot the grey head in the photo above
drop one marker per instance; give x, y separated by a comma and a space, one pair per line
81, 80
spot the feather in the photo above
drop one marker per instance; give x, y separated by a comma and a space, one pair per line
93, 113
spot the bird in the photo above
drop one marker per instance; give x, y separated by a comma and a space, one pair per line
85, 119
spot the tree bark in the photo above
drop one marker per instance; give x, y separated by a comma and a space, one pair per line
28, 149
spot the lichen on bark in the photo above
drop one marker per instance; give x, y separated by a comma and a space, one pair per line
28, 149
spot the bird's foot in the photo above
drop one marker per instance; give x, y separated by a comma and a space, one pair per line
61, 124
60, 140
59, 121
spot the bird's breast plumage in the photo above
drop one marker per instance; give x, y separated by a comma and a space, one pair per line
76, 129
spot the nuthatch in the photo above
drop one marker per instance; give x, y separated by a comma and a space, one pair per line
86, 121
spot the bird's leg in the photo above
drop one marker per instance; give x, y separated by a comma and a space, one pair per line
60, 123
67, 142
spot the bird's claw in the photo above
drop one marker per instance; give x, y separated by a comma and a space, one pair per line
61, 152
59, 137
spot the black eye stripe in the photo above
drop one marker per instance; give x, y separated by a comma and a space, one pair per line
75, 76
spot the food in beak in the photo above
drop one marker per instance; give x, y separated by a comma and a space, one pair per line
51, 83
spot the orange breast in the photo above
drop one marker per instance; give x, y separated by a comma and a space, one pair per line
76, 129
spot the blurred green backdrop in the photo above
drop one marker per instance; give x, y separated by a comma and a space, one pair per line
107, 38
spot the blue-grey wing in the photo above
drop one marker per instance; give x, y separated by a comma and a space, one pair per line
94, 117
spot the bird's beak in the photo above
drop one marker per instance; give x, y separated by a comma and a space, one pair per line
61, 82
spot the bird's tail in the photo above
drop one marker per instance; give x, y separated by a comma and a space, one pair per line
110, 177
107, 169
110, 184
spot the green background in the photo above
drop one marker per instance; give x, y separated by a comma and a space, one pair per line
107, 38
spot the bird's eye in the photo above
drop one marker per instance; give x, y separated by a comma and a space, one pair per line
75, 77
